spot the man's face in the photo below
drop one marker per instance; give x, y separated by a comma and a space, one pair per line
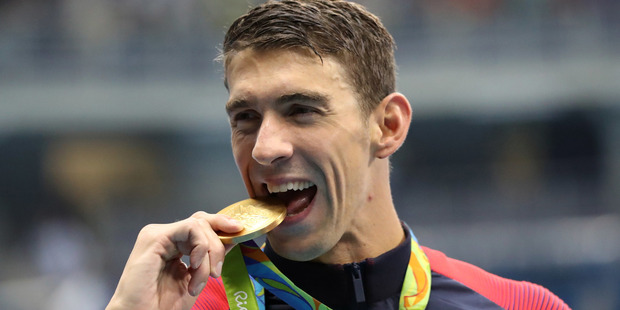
298, 133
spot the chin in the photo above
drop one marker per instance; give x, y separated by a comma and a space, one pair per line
295, 250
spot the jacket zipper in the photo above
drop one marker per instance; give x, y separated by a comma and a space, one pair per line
358, 285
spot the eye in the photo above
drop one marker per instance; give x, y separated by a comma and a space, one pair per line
244, 116
244, 119
301, 110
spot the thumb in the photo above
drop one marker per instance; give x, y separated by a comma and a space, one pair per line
225, 223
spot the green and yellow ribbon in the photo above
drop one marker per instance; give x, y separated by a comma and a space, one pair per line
247, 262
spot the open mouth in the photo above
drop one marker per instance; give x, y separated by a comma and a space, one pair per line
296, 195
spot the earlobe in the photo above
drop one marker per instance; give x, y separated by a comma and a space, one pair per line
393, 116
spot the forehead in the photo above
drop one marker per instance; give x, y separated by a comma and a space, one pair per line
252, 73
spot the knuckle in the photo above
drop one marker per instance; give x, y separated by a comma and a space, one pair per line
199, 227
194, 224
200, 215
149, 231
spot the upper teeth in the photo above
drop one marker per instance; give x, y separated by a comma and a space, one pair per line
296, 186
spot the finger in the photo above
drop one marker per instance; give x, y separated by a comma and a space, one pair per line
170, 241
192, 241
219, 222
216, 251
193, 278
216, 254
199, 278
187, 237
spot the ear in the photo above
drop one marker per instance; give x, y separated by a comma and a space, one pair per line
392, 117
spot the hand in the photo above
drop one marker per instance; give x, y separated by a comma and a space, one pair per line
156, 278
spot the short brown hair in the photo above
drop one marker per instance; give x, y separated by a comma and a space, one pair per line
343, 30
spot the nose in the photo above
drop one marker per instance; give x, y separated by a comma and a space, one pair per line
272, 142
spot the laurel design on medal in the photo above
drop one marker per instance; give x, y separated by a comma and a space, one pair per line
258, 217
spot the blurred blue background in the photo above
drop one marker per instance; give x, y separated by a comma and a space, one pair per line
111, 117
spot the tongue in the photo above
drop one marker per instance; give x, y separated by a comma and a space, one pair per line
297, 201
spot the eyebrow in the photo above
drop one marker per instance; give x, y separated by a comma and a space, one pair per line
309, 97
236, 104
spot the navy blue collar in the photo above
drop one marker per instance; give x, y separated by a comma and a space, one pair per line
382, 276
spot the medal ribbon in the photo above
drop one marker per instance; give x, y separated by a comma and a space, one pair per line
237, 284
248, 258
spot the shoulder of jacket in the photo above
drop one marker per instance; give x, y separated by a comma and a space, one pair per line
509, 294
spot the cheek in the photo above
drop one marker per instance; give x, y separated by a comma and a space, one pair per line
243, 158
242, 153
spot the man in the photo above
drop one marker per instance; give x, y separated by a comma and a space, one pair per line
314, 118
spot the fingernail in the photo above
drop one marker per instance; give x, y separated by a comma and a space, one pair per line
200, 287
218, 269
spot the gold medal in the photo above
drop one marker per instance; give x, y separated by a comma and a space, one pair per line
257, 216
